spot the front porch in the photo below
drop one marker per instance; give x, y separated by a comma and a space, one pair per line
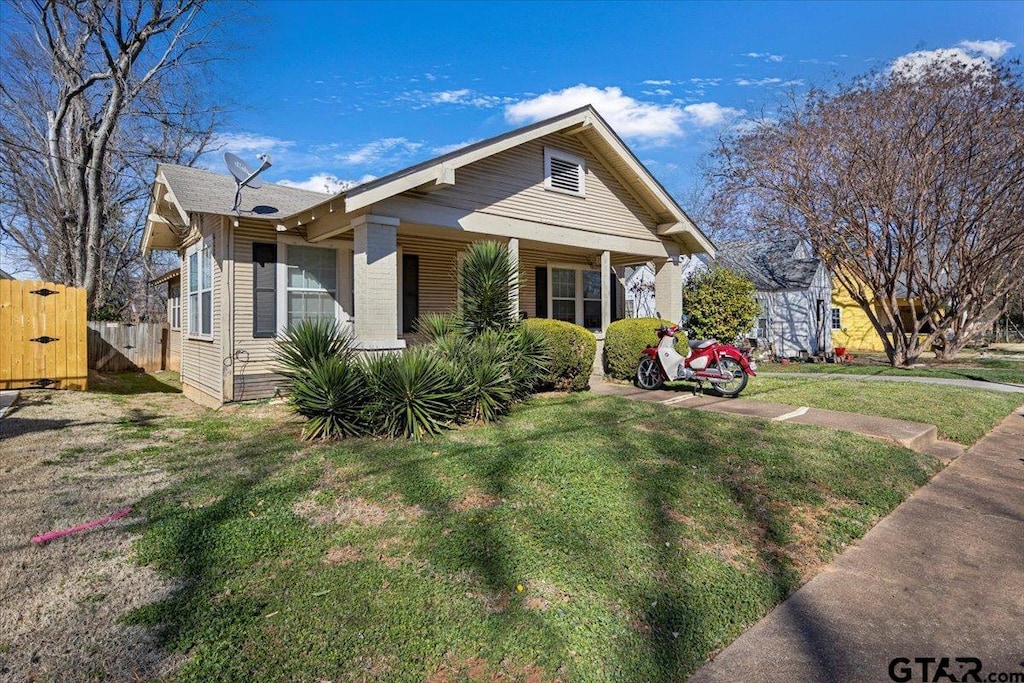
402, 271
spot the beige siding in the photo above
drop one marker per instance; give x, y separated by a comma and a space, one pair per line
201, 363
438, 264
174, 350
511, 184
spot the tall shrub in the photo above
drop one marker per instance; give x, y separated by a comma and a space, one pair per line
487, 278
625, 340
721, 304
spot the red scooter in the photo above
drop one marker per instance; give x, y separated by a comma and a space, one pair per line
722, 365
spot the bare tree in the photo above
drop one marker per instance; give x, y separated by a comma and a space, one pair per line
94, 93
910, 184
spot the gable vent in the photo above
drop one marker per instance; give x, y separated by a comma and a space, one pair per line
564, 172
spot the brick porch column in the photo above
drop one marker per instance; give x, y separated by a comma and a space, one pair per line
375, 282
668, 287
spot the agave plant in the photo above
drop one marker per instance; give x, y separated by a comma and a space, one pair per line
436, 327
331, 394
308, 342
529, 359
487, 278
415, 394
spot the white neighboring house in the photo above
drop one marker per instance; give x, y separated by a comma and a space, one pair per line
639, 286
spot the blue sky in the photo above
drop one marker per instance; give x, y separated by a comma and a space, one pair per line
349, 91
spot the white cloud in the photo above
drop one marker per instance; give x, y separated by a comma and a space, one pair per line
705, 81
653, 82
246, 143
993, 49
462, 97
760, 82
328, 183
711, 113
768, 56
914, 64
444, 149
629, 117
378, 150
662, 91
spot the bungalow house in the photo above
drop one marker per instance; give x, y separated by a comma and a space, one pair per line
794, 289
571, 201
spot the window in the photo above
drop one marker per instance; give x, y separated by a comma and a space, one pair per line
837, 318
410, 291
576, 296
564, 172
563, 294
174, 305
312, 284
200, 289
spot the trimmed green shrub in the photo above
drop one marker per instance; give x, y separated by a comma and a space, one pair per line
414, 393
487, 278
571, 348
625, 340
721, 304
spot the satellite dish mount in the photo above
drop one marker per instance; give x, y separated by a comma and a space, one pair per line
244, 175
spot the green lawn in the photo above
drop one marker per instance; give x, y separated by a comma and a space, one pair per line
583, 538
961, 415
983, 369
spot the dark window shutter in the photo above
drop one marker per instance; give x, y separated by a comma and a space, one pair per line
613, 287
264, 290
542, 291
410, 291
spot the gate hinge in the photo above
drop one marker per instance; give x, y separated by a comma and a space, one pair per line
45, 382
45, 339
44, 291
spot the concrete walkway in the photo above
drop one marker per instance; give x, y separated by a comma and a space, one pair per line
967, 383
914, 435
7, 399
942, 576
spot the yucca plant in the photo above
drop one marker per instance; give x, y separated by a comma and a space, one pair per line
529, 360
486, 380
414, 393
331, 394
308, 342
438, 326
487, 278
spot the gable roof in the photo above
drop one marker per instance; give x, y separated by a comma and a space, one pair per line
771, 265
188, 190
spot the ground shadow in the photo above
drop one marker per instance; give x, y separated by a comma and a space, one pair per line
133, 383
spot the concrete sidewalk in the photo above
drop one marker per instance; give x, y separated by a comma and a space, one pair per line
1004, 387
942, 576
914, 435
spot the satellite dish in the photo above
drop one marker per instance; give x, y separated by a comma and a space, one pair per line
244, 175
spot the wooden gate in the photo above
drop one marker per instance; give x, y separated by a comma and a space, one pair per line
42, 335
117, 347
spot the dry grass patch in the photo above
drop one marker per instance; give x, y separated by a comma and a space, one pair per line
343, 555
477, 500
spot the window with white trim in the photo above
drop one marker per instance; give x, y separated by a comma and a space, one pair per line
200, 289
564, 172
312, 284
837, 318
174, 305
575, 295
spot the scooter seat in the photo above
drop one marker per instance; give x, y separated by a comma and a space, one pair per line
701, 343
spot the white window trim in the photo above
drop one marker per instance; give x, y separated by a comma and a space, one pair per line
579, 270
831, 318
175, 309
197, 250
550, 152
343, 300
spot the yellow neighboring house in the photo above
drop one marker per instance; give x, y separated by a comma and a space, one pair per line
850, 325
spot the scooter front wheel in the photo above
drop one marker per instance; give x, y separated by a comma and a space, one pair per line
649, 375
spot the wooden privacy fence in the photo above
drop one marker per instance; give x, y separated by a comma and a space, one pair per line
42, 335
117, 347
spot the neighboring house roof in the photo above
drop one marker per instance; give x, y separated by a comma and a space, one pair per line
770, 265
190, 190
172, 274
4, 275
